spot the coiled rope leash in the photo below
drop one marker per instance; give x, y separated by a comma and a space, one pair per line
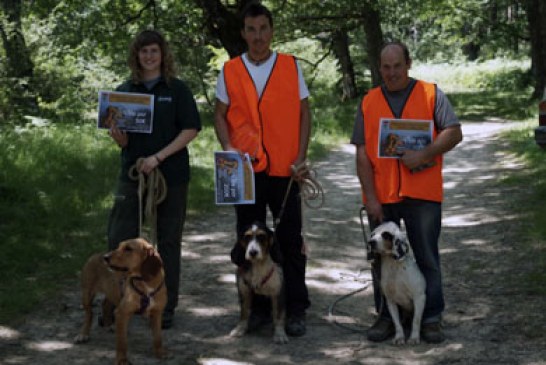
152, 187
310, 190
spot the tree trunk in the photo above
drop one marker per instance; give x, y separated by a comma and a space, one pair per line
374, 38
19, 66
340, 44
223, 24
536, 13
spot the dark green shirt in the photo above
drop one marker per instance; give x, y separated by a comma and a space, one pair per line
174, 111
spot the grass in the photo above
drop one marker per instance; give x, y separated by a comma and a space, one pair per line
54, 195
533, 178
56, 180
496, 89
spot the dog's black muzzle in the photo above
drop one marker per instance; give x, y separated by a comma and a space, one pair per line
253, 253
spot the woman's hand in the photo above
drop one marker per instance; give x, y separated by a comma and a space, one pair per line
119, 136
149, 164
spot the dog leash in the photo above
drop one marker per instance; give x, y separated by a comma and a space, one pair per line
310, 188
154, 188
332, 315
331, 309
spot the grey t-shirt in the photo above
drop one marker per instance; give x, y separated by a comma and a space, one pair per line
444, 116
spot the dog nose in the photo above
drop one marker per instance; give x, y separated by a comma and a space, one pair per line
253, 253
106, 257
372, 244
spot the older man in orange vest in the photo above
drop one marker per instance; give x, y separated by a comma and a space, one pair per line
262, 109
408, 187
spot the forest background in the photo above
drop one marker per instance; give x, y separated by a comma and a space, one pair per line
57, 171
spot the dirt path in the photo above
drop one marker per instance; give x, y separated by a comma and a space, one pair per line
488, 319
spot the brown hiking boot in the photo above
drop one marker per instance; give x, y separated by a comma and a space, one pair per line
432, 332
381, 330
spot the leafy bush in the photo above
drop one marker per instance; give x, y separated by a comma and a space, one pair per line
55, 192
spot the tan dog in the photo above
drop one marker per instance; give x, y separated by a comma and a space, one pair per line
263, 277
131, 278
402, 282
111, 116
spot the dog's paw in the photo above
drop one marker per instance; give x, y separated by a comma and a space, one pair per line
239, 331
280, 337
414, 341
81, 338
398, 340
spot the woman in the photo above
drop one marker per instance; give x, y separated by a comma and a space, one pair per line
176, 123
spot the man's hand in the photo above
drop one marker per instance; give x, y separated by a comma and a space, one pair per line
415, 159
374, 210
300, 169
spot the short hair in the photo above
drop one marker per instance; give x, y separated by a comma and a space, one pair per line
254, 9
402, 45
146, 38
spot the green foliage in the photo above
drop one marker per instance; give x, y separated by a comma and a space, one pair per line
533, 177
480, 90
74, 57
453, 30
201, 191
55, 186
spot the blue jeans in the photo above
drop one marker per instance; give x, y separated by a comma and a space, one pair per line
423, 221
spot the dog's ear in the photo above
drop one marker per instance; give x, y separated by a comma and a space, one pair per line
238, 255
151, 266
400, 248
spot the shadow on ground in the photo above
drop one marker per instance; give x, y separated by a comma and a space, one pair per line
476, 252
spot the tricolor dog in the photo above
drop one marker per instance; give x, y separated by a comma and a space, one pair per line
263, 277
402, 282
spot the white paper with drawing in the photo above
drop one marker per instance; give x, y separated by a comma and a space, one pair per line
131, 112
399, 135
234, 178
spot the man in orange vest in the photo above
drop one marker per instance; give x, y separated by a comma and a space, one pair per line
262, 109
407, 186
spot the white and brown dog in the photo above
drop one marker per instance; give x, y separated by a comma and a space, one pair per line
402, 283
264, 277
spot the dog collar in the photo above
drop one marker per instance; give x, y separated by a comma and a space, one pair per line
268, 276
264, 280
144, 298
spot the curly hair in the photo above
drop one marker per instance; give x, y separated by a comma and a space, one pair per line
146, 38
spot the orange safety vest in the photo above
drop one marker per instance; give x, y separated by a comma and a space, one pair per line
268, 128
393, 180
